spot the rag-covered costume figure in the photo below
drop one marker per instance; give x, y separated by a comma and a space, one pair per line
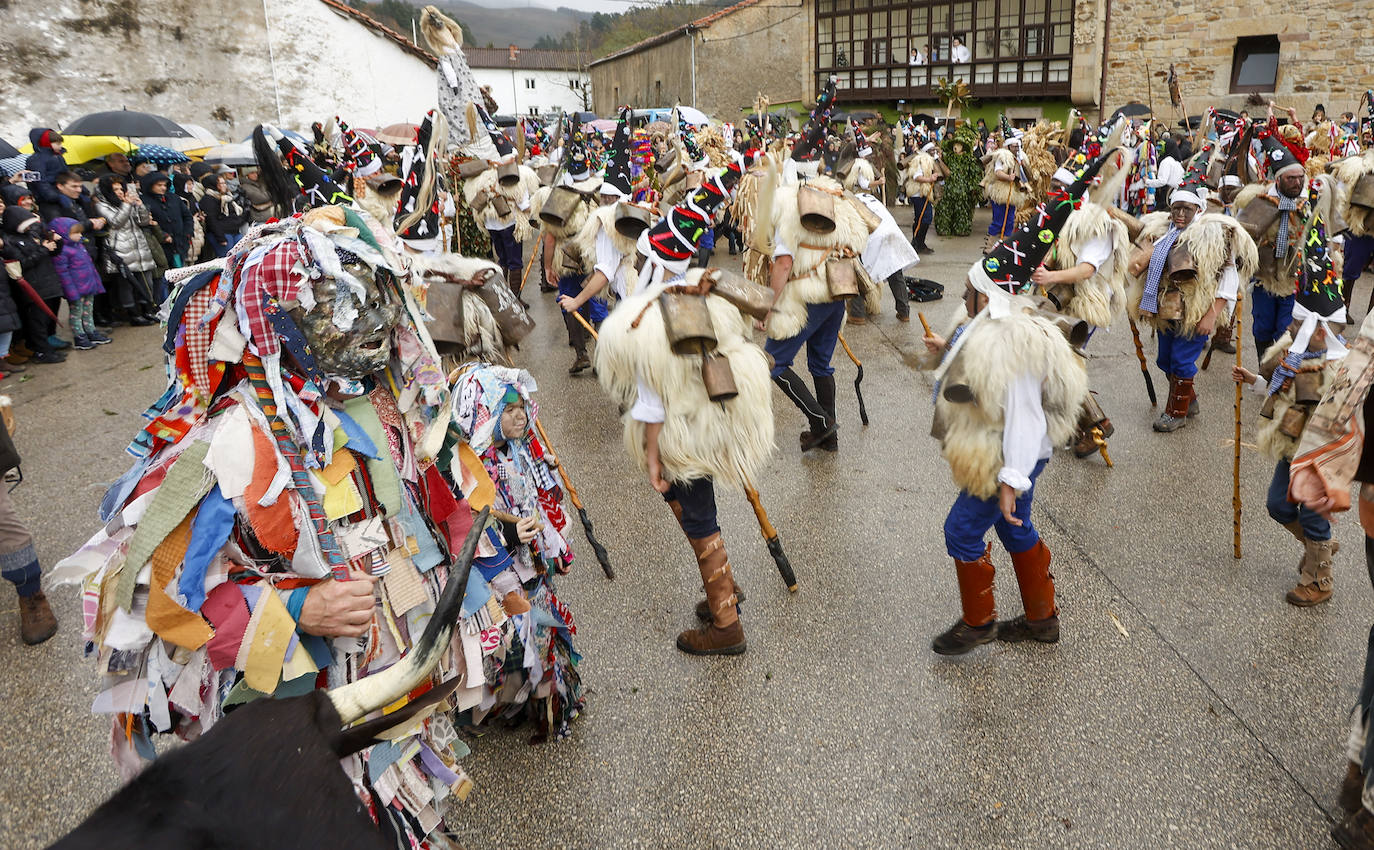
283, 526
1275, 214
1184, 279
686, 442
501, 194
1084, 276
818, 238
513, 620
1294, 375
1010, 388
954, 212
1005, 183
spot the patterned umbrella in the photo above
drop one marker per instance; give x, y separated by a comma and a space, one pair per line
12, 165
160, 155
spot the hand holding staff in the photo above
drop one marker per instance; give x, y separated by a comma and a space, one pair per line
1235, 463
602, 557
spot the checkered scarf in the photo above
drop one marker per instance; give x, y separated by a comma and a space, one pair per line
1286, 205
1149, 301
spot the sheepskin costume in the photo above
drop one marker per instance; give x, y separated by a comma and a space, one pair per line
1007, 339
727, 441
465, 329
860, 177
1348, 172
922, 164
1272, 442
810, 251
477, 193
1002, 192
1215, 242
567, 258
602, 220
1100, 297
1256, 207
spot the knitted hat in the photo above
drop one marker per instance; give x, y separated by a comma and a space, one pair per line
1011, 263
618, 180
812, 141
358, 156
1277, 157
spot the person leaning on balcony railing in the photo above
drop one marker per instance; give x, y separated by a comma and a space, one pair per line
918, 57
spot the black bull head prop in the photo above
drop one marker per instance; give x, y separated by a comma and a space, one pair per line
267, 776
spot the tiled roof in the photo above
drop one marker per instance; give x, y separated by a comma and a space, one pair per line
655, 40
529, 59
381, 29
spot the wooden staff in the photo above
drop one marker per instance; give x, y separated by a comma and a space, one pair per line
858, 379
534, 257
602, 556
924, 324
1235, 462
1144, 368
770, 537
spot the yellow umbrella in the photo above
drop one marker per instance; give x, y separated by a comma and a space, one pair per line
79, 149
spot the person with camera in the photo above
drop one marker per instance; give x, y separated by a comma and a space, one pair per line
128, 259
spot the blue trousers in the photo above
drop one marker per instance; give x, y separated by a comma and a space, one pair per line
1359, 250
1003, 220
508, 253
1314, 525
820, 334
1178, 354
1270, 316
595, 310
969, 520
698, 501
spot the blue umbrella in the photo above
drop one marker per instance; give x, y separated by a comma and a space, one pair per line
160, 155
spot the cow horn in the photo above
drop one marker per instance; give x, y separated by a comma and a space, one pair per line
365, 696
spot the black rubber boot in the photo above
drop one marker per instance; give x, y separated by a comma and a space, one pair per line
897, 283
795, 389
825, 397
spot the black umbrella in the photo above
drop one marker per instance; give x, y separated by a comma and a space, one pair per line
8, 150
1134, 109
130, 125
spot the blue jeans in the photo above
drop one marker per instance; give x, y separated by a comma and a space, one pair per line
1178, 354
698, 501
1314, 525
819, 334
1359, 250
969, 519
1003, 220
1270, 316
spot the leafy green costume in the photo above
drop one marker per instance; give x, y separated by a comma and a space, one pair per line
954, 213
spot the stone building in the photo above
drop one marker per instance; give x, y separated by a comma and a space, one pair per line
1234, 55
223, 64
527, 81
718, 64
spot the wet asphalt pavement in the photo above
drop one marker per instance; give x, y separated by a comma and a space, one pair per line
1186, 706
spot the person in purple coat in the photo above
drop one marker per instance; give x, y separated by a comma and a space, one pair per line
80, 283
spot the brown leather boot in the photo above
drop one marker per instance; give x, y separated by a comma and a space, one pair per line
581, 363
1356, 832
1314, 576
1175, 414
1041, 620
36, 620
979, 623
723, 635
1352, 788
703, 609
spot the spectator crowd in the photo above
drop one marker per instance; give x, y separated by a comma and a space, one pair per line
101, 236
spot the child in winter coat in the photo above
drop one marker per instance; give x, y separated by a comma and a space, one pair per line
80, 283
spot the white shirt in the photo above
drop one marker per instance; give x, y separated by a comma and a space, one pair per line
780, 249
1025, 433
608, 262
917, 58
1170, 174
496, 224
959, 53
1096, 252
648, 406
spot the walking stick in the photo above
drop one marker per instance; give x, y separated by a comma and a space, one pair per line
770, 537
1235, 460
602, 557
534, 257
1144, 369
858, 379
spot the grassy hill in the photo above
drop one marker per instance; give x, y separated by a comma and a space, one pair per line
515, 24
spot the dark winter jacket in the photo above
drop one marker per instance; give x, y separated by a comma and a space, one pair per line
171, 212
9, 310
48, 163
74, 267
223, 216
33, 257
12, 192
